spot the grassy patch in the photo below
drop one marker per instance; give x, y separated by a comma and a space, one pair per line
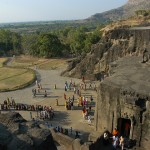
2, 61
41, 63
26, 61
52, 64
14, 78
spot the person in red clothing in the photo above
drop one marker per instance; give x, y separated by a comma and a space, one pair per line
65, 96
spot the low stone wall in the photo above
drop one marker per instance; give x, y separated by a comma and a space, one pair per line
68, 142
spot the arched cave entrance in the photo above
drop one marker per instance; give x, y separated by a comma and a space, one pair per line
124, 126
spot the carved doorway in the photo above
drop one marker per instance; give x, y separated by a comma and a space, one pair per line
124, 126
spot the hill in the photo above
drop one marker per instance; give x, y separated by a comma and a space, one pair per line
123, 12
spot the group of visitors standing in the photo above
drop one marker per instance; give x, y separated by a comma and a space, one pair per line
117, 141
82, 101
38, 90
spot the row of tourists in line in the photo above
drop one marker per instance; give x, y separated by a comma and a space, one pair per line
44, 114
11, 104
65, 131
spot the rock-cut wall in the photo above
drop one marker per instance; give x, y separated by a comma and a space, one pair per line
112, 106
115, 43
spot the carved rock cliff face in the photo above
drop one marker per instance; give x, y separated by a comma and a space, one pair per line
114, 44
111, 107
124, 97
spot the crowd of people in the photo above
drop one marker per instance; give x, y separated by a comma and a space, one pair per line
66, 131
38, 90
84, 102
47, 112
120, 141
10, 104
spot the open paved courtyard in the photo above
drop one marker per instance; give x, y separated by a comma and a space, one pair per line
64, 118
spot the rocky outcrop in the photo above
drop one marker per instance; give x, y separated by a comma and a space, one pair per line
68, 142
102, 143
115, 43
17, 134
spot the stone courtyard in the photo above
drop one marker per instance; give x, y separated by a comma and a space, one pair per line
63, 118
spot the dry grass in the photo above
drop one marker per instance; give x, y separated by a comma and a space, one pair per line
2, 61
11, 78
26, 61
53, 64
41, 63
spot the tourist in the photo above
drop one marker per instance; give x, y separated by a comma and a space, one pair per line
36, 82
34, 92
78, 91
91, 98
13, 102
89, 120
40, 85
30, 115
115, 141
71, 130
56, 102
115, 132
66, 105
58, 129
66, 88
121, 139
66, 85
66, 131
61, 130
71, 104
55, 86
65, 96
77, 135
74, 84
74, 89
90, 107
90, 85
45, 94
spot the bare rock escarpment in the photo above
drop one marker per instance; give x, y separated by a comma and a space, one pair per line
17, 134
116, 43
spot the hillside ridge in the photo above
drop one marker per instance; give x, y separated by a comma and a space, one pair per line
122, 12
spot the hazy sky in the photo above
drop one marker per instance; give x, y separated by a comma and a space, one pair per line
45, 10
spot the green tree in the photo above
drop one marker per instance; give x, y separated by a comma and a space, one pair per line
10, 42
47, 45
